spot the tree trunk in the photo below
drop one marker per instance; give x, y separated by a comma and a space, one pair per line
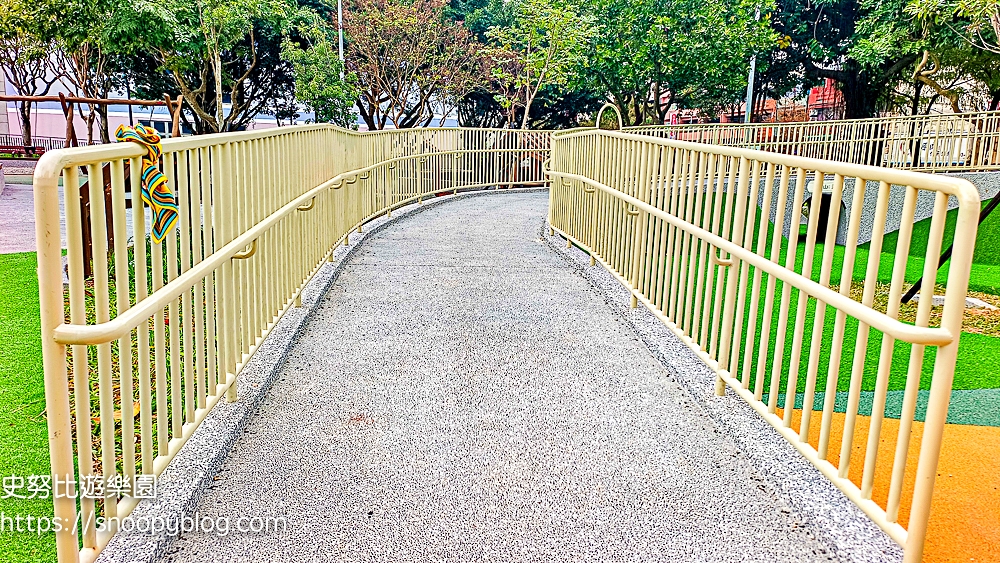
25, 111
219, 110
862, 88
858, 101
91, 116
103, 125
366, 115
915, 105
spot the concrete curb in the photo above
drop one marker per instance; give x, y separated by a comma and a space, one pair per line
181, 485
833, 520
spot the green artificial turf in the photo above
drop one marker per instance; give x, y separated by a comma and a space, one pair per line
985, 262
978, 364
985, 275
987, 238
23, 436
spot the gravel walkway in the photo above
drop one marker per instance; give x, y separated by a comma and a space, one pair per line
17, 226
17, 219
463, 395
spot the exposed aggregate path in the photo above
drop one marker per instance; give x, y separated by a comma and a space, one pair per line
461, 394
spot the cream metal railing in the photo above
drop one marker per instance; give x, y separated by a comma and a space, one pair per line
169, 327
935, 143
261, 211
696, 233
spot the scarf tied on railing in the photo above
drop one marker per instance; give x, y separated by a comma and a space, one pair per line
155, 191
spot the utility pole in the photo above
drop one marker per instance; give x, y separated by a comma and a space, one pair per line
749, 108
753, 71
340, 32
128, 94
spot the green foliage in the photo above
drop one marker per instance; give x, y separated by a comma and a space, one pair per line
320, 82
26, 42
187, 31
976, 22
860, 45
211, 48
962, 37
543, 46
885, 32
649, 54
888, 55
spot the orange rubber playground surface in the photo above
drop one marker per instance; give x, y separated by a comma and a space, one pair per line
965, 513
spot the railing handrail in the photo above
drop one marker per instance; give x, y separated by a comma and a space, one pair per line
244, 199
89, 154
655, 212
960, 142
893, 327
218, 173
100, 333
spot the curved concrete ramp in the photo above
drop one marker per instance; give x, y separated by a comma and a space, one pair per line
462, 395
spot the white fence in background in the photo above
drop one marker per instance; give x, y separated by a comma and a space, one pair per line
957, 142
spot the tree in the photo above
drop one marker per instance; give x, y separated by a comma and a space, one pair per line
409, 61
651, 54
480, 108
84, 59
833, 39
948, 42
565, 107
320, 83
976, 22
985, 66
962, 36
554, 107
25, 47
776, 76
543, 47
213, 51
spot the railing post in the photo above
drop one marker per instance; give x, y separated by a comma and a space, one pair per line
57, 407
639, 224
944, 373
731, 281
229, 353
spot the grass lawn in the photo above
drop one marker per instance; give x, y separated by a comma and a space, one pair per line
23, 436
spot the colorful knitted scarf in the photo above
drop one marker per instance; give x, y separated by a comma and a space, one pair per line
155, 191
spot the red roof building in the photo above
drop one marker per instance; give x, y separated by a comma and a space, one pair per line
826, 102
